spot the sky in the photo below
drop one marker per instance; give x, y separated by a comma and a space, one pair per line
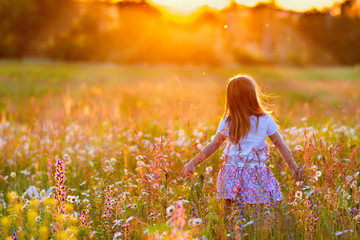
188, 6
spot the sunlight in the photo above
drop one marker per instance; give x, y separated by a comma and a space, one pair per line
188, 6
305, 4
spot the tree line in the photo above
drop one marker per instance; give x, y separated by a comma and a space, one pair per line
136, 31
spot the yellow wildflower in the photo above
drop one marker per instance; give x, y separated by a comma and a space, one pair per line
69, 207
5, 221
34, 203
43, 232
49, 201
32, 215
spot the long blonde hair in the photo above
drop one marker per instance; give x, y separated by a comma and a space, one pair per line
243, 99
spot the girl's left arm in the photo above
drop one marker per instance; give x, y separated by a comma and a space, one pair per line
205, 153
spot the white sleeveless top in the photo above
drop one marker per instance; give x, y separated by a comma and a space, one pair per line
252, 150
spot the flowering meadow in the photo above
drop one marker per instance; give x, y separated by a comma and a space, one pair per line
95, 151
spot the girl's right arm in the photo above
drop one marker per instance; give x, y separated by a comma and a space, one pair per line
205, 153
287, 156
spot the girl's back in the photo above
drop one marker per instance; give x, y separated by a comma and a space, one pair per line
252, 150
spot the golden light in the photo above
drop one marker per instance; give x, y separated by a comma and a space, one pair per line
249, 3
304, 5
188, 6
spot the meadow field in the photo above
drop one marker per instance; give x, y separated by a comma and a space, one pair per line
96, 151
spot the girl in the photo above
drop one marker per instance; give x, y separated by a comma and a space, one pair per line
246, 124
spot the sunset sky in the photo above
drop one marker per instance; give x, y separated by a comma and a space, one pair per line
188, 6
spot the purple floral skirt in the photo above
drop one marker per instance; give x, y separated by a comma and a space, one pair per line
251, 185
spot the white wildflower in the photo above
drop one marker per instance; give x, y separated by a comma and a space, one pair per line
298, 147
197, 221
170, 210
298, 183
298, 194
117, 236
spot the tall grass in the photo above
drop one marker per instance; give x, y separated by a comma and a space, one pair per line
119, 136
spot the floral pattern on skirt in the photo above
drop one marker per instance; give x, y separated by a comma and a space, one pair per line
252, 185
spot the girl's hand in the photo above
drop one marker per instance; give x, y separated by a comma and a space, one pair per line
299, 174
188, 170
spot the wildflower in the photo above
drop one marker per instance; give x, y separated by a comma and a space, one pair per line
209, 169
140, 163
5, 221
197, 221
84, 218
13, 195
191, 221
313, 167
32, 215
170, 210
298, 183
133, 148
13, 174
318, 173
108, 203
25, 172
309, 228
178, 221
117, 222
117, 236
178, 218
298, 194
181, 133
14, 235
126, 231
298, 148
31, 192
43, 232
60, 187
